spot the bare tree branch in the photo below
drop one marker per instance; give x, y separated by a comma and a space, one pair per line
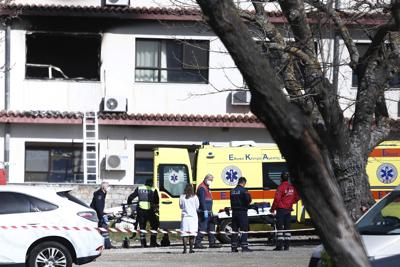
342, 28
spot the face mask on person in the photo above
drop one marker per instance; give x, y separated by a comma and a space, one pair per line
208, 182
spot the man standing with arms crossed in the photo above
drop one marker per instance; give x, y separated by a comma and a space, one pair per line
285, 196
240, 201
206, 223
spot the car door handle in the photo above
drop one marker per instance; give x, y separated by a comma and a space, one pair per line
166, 202
33, 223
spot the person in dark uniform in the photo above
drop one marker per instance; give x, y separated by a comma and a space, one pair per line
206, 223
240, 201
98, 204
147, 206
285, 196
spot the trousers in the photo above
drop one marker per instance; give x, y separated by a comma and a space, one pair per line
144, 217
283, 223
240, 221
205, 225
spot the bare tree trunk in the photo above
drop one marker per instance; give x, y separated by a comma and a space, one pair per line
307, 158
353, 181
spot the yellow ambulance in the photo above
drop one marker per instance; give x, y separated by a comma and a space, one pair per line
261, 165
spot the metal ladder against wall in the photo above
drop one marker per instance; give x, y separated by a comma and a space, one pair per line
90, 143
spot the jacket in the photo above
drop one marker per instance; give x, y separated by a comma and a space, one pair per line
98, 203
240, 199
286, 195
205, 197
148, 197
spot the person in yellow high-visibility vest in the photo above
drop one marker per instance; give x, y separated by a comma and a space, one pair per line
147, 206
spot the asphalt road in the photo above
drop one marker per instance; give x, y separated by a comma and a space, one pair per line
222, 257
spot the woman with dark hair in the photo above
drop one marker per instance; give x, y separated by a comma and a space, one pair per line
189, 203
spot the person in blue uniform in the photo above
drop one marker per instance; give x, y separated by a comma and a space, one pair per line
240, 201
98, 204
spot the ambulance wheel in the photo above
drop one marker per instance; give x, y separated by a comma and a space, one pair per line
225, 226
49, 254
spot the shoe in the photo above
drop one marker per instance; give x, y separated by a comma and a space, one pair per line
286, 248
246, 249
278, 249
191, 251
234, 250
184, 251
155, 245
215, 246
199, 246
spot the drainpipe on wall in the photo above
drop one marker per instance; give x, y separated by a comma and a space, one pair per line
7, 43
336, 61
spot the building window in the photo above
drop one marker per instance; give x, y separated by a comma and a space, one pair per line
143, 166
53, 163
63, 56
176, 61
362, 48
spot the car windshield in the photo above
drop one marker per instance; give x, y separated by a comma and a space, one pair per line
383, 218
70, 197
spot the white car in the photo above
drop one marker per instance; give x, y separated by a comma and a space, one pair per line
42, 227
380, 232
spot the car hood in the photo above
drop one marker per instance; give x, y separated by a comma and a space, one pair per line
377, 247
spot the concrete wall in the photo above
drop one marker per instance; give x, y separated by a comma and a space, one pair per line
117, 195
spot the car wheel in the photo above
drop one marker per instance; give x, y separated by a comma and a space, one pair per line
48, 254
225, 226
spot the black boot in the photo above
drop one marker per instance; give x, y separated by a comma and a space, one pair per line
143, 243
153, 241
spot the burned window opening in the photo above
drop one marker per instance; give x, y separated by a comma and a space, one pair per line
63, 56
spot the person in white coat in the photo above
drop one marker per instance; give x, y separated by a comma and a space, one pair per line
189, 203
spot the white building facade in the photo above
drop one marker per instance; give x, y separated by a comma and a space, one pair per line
154, 76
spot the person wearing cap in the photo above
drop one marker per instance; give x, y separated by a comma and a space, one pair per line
286, 195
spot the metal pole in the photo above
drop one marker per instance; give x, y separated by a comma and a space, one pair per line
336, 59
7, 96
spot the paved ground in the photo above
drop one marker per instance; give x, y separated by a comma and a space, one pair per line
173, 257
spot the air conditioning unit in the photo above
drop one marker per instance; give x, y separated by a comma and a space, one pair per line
115, 104
116, 2
240, 98
116, 162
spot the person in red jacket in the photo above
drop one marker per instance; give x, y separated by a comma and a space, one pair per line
286, 195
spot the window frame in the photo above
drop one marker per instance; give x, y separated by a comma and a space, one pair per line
70, 34
354, 82
48, 148
161, 178
159, 69
266, 176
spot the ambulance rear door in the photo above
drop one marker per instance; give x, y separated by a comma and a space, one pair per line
172, 172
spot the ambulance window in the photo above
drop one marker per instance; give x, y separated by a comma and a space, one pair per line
272, 174
173, 178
